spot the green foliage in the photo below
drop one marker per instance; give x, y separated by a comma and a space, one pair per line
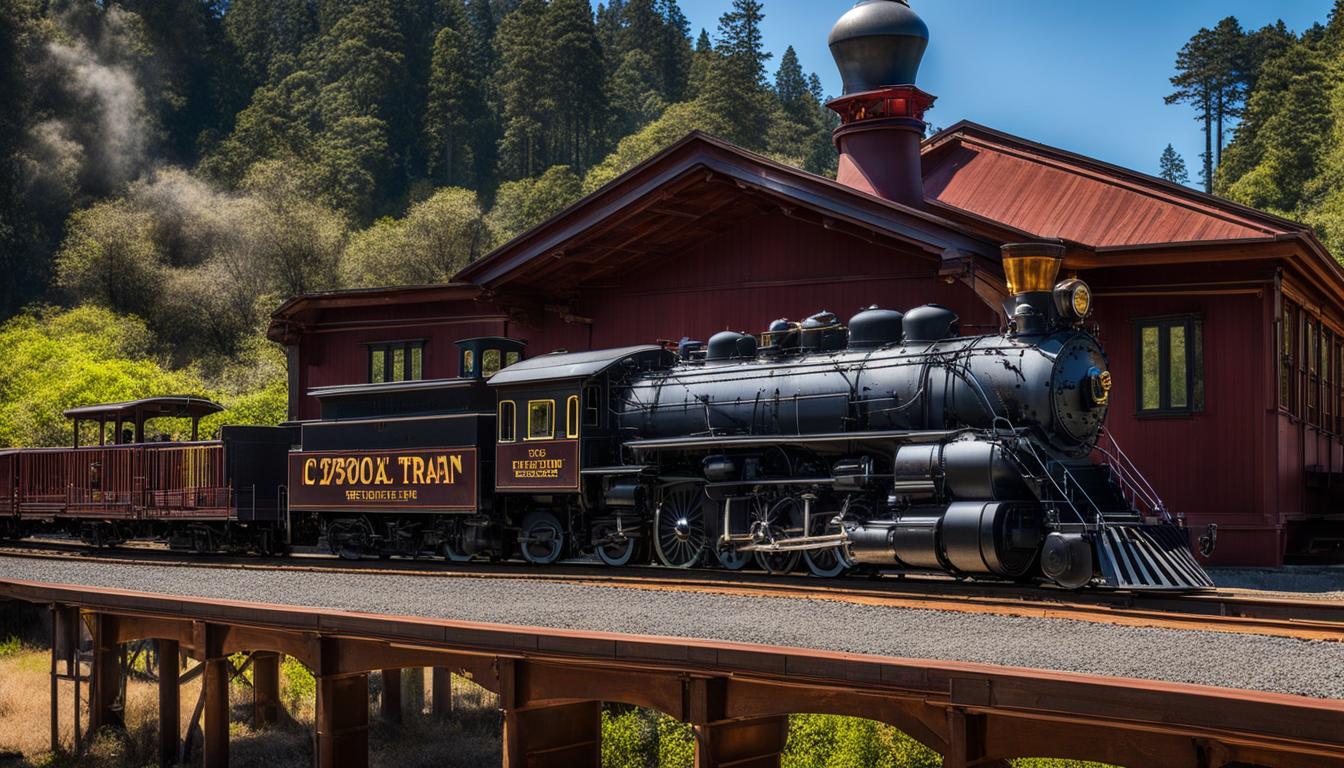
298, 684
677, 121
1172, 166
10, 646
523, 204
436, 239
56, 360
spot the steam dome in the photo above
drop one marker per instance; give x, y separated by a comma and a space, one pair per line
878, 43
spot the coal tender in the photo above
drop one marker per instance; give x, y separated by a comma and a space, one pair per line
894, 443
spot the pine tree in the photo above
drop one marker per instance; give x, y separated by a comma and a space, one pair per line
1172, 166
1197, 85
734, 84
1227, 60
270, 35
791, 86
456, 105
675, 50
580, 104
524, 81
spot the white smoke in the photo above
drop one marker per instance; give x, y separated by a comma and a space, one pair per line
99, 119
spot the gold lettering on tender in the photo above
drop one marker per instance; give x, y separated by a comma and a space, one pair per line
445, 476
382, 477
405, 462
309, 465
456, 463
419, 472
431, 475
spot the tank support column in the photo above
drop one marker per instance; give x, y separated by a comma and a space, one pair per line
343, 721
442, 703
106, 691
265, 689
215, 708
170, 700
389, 708
745, 744
554, 737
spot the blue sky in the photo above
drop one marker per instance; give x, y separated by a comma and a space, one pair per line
1084, 75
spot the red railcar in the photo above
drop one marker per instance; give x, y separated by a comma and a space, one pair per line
202, 495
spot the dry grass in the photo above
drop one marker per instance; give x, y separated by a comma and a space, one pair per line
467, 739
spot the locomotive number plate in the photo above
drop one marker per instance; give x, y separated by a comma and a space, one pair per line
550, 465
420, 480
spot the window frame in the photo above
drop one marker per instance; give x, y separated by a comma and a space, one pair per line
592, 407
511, 421
408, 349
1193, 327
1288, 353
548, 402
573, 414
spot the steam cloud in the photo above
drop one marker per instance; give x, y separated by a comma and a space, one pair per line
99, 134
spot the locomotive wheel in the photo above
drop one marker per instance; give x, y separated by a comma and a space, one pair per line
679, 527
452, 547
349, 539
621, 549
777, 520
826, 563
542, 539
733, 560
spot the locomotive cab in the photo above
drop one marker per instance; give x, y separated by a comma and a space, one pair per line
556, 450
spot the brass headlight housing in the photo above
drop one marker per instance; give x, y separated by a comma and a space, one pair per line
1073, 299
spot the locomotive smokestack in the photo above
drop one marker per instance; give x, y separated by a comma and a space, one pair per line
1031, 270
878, 46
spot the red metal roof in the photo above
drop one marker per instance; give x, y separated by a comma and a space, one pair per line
1048, 192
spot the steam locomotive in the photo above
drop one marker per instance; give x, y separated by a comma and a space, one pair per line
890, 442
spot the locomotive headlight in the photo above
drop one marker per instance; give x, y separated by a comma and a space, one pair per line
1073, 299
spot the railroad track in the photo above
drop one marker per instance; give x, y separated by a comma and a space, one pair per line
1218, 610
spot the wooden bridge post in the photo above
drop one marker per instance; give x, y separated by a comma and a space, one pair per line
216, 711
170, 701
743, 744
343, 721
554, 737
442, 695
265, 689
103, 710
389, 706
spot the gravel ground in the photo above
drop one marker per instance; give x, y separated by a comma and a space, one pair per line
1229, 660
1298, 582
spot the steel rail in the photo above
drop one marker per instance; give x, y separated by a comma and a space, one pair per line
975, 714
1218, 611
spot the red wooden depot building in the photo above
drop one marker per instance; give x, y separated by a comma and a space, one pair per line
1224, 325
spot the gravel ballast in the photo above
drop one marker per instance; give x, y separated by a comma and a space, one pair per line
1252, 662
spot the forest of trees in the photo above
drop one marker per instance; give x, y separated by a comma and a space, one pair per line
185, 165
1271, 105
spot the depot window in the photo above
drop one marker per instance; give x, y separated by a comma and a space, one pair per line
396, 361
541, 419
1171, 365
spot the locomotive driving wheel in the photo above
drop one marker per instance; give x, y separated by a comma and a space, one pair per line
679, 526
832, 562
542, 539
775, 523
616, 541
452, 547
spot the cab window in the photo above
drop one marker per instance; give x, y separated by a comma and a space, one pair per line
468, 364
541, 420
592, 413
572, 416
512, 358
507, 421
489, 362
